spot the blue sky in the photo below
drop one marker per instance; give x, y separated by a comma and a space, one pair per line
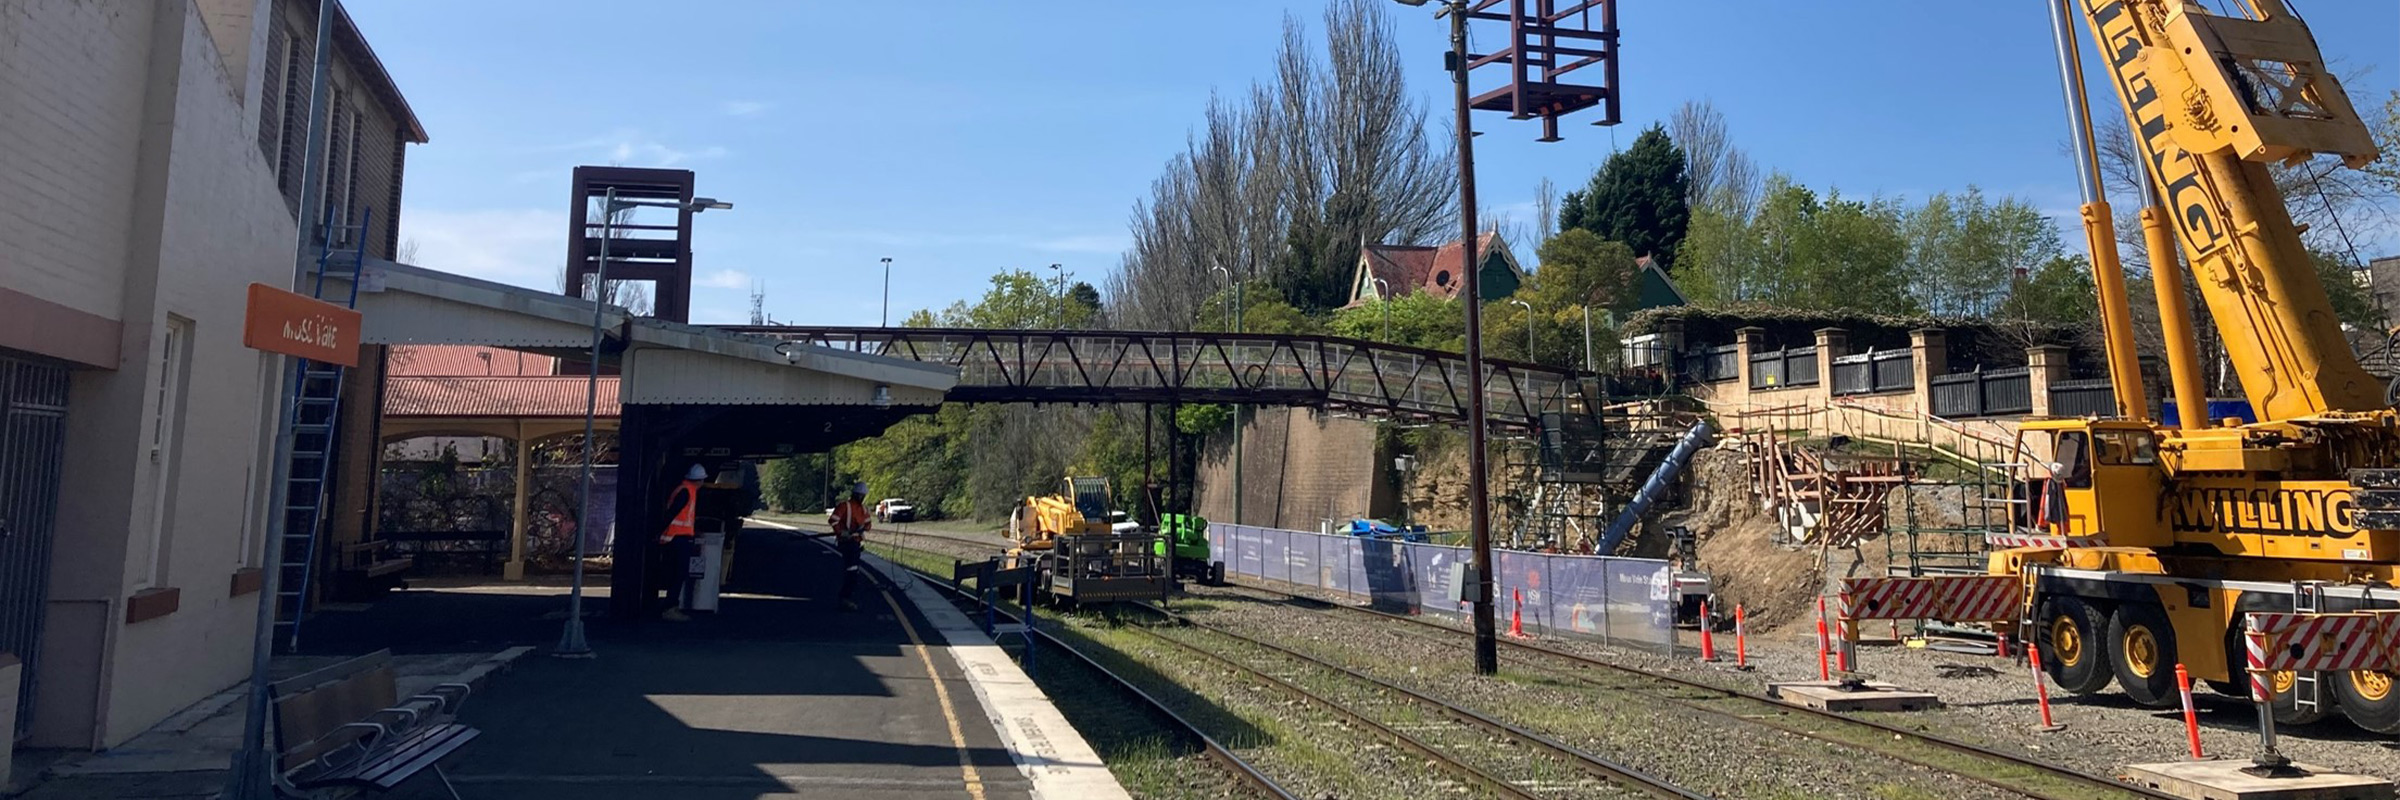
962, 138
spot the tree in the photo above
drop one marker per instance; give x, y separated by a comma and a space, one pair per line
1416, 319
2386, 169
1800, 251
1963, 250
1581, 269
1637, 197
1287, 182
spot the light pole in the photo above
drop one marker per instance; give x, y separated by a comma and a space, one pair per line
1383, 297
887, 291
254, 765
1528, 326
1479, 518
1237, 407
1587, 340
571, 643
1058, 278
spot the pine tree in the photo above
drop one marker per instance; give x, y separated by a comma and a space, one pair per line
1637, 197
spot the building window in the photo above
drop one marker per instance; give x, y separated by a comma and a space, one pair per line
173, 367
336, 184
270, 94
299, 58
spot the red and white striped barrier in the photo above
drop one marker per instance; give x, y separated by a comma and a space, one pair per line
2014, 540
1950, 598
1979, 598
2326, 641
1887, 598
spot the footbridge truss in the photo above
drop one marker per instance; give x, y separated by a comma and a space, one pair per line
1372, 379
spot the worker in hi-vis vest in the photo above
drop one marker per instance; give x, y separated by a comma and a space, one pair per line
683, 512
850, 522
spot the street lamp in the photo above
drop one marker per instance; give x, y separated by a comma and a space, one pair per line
887, 291
1479, 518
1528, 326
1237, 407
571, 642
1383, 297
1058, 278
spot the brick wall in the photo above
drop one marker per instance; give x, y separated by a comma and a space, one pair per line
72, 78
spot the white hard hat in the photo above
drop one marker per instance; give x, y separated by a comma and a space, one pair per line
696, 473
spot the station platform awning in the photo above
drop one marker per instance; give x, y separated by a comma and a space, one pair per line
745, 393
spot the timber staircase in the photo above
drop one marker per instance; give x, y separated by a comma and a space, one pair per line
1818, 495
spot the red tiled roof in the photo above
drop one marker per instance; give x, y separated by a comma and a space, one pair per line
452, 396
467, 360
1412, 268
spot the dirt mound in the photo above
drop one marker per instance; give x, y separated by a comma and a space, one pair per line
1775, 585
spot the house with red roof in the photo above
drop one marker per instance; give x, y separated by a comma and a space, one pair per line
1406, 269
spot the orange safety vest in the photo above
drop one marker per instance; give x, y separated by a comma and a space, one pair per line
685, 521
850, 516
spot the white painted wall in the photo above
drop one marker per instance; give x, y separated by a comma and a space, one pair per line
130, 179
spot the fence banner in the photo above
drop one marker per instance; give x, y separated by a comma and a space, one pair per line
1627, 600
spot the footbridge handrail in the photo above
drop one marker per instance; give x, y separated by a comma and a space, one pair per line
1099, 366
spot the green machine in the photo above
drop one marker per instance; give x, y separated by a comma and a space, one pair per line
1188, 534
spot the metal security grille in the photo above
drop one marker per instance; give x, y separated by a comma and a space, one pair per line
33, 416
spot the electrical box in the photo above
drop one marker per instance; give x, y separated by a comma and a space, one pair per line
1463, 579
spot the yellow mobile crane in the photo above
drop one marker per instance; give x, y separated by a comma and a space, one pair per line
2162, 538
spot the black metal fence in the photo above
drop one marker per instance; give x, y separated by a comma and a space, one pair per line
33, 451
2080, 398
1874, 371
1983, 393
1776, 369
1712, 364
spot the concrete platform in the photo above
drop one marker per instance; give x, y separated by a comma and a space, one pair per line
781, 694
2224, 780
1834, 696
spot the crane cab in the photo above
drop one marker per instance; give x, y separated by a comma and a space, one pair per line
2104, 482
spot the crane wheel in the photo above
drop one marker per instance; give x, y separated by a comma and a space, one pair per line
2074, 647
2142, 654
2370, 698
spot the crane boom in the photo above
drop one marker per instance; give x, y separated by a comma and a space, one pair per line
2211, 99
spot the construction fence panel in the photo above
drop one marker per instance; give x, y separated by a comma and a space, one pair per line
1627, 600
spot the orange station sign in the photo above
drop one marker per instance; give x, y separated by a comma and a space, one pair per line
299, 325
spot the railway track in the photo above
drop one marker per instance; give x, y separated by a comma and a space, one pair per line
1994, 768
1500, 757
1998, 769
1505, 760
1241, 769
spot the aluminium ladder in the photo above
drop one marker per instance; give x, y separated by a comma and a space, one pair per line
314, 398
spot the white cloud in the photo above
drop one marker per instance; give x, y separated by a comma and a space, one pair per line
633, 148
647, 153
724, 279
744, 108
522, 246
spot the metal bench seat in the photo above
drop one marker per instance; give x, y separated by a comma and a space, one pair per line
345, 727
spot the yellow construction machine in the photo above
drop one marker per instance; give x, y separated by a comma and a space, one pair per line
1081, 549
2146, 545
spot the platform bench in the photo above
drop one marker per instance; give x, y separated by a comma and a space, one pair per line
344, 730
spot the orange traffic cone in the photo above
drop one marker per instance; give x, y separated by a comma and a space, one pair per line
1516, 615
1708, 639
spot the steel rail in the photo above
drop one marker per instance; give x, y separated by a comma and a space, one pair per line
1442, 759
1585, 760
1242, 769
1943, 742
